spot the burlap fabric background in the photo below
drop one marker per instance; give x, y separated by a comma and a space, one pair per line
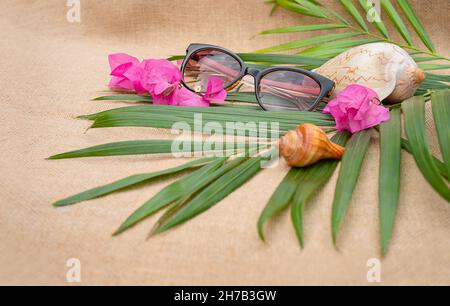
52, 68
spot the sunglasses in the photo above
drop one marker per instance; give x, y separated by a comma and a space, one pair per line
276, 88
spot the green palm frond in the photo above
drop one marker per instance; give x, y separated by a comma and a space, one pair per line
158, 116
281, 59
397, 21
220, 184
173, 193
389, 177
379, 24
280, 198
355, 152
416, 24
351, 9
128, 182
313, 178
313, 41
332, 49
206, 181
303, 7
441, 113
357, 10
132, 147
303, 28
414, 110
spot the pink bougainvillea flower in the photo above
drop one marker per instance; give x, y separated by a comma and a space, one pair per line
134, 74
159, 76
120, 63
356, 108
215, 90
186, 97
180, 97
166, 98
161, 79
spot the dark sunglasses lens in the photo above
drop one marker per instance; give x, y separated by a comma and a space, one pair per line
208, 63
284, 90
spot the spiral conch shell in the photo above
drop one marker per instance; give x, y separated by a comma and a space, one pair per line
384, 67
306, 145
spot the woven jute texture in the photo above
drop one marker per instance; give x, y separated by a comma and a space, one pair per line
52, 68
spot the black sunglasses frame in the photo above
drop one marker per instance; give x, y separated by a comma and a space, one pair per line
326, 85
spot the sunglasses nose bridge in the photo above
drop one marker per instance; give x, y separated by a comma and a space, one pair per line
253, 72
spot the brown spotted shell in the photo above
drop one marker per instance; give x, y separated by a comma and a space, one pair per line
306, 145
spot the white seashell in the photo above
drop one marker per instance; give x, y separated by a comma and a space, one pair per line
384, 67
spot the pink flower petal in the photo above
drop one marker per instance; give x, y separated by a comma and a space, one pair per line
156, 72
215, 90
118, 59
164, 88
134, 75
120, 64
121, 69
186, 97
120, 83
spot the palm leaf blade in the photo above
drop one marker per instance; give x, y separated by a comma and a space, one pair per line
280, 199
224, 112
397, 21
328, 50
281, 59
303, 28
442, 168
336, 15
133, 147
127, 182
172, 193
422, 59
441, 112
325, 52
437, 77
297, 8
417, 25
348, 175
212, 194
366, 5
389, 177
430, 67
313, 178
414, 109
353, 11
297, 44
124, 97
232, 96
312, 6
254, 124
